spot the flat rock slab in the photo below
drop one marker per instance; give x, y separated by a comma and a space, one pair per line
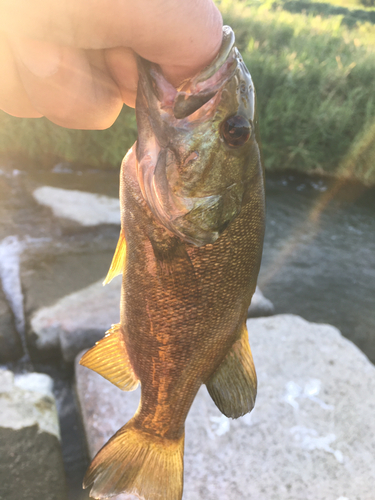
47, 277
31, 466
88, 209
78, 320
311, 435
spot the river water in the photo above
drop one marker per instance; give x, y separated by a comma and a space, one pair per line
319, 251
319, 254
318, 262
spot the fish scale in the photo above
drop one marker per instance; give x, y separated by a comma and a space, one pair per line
189, 251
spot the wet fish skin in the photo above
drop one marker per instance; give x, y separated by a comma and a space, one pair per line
193, 220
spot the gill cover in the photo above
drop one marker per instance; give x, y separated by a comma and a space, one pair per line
197, 148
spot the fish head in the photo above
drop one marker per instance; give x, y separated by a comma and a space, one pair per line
197, 148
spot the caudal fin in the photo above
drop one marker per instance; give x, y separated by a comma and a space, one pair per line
137, 462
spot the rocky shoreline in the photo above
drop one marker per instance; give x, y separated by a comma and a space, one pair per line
311, 434
313, 417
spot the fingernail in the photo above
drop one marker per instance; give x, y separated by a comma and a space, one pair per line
41, 58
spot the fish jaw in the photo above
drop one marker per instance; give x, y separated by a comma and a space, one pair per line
192, 180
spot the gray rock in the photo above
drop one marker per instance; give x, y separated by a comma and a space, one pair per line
88, 209
260, 306
78, 320
31, 466
10, 342
48, 277
311, 435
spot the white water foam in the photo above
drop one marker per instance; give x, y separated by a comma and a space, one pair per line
11, 249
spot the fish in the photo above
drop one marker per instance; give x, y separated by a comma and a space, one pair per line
190, 246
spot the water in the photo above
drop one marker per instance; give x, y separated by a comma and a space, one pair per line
319, 255
29, 232
319, 252
319, 262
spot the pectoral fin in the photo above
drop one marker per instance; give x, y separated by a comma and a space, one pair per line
110, 359
233, 385
118, 259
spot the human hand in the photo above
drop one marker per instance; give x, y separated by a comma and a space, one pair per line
74, 62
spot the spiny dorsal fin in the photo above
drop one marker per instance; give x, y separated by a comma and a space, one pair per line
110, 359
233, 386
118, 260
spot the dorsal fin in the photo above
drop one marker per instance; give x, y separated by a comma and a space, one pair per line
110, 359
233, 386
118, 259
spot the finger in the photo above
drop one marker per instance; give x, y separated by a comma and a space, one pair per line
183, 37
122, 65
13, 97
86, 24
71, 87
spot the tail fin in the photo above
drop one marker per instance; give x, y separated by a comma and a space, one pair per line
137, 462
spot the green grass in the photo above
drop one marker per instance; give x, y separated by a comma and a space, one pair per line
42, 143
316, 88
352, 4
349, 16
315, 83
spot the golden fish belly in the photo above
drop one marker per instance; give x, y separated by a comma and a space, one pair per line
183, 306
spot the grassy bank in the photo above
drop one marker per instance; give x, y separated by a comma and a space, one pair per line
41, 142
316, 94
316, 88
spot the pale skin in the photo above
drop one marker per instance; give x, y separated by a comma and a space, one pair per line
73, 61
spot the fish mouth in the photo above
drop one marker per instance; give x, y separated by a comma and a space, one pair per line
192, 94
161, 110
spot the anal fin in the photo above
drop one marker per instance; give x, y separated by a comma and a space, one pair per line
110, 359
233, 386
118, 260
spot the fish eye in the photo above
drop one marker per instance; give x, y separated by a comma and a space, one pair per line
236, 130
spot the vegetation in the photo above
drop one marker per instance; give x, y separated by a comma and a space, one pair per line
349, 16
314, 76
316, 91
41, 142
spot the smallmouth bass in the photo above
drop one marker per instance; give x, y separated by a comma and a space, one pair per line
192, 209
